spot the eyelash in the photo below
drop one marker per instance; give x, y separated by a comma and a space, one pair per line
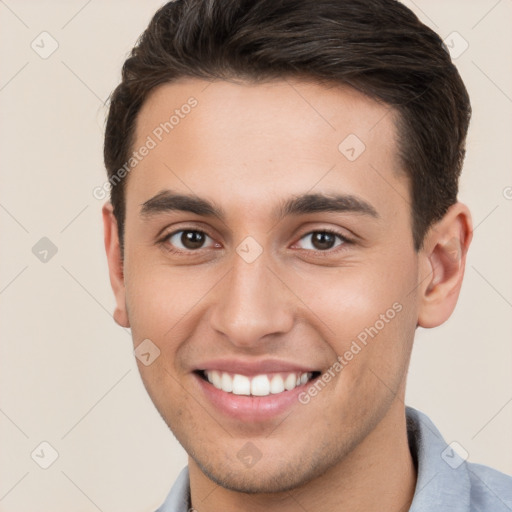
345, 241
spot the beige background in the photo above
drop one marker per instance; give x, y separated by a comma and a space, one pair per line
68, 376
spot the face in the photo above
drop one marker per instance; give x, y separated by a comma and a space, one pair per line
268, 243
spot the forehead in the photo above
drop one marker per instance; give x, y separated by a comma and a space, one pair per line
252, 143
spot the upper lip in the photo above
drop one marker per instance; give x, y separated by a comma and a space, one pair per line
250, 368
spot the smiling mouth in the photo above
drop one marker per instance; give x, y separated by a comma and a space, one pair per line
257, 385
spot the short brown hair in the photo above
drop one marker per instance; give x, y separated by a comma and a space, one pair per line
379, 47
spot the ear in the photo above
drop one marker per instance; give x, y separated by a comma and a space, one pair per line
115, 264
442, 261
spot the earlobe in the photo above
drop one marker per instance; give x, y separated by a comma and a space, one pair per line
443, 262
115, 265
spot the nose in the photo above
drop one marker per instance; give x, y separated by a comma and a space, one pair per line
252, 304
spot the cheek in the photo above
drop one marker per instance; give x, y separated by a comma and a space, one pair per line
160, 297
159, 301
365, 311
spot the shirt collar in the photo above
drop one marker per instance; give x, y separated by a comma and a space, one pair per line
443, 481
178, 500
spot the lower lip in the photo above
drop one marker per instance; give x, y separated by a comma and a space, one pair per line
251, 408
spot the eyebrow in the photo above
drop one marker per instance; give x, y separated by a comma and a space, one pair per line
168, 201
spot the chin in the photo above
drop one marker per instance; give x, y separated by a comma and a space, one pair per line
263, 478
254, 481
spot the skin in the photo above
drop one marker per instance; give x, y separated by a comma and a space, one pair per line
248, 148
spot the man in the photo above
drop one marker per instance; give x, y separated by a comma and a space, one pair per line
283, 217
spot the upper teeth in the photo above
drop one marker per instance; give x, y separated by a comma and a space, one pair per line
259, 385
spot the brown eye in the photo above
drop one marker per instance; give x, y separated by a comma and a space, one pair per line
187, 239
192, 239
322, 240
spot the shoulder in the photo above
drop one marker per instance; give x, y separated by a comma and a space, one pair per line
491, 490
446, 481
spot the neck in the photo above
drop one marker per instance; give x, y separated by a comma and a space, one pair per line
379, 474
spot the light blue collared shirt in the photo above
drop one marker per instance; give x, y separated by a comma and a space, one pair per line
445, 481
